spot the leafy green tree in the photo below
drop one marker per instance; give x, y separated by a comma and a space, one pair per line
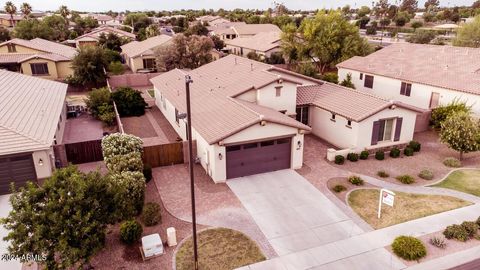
152, 31
422, 37
116, 68
64, 220
409, 6
363, 11
64, 12
33, 28
137, 21
129, 101
26, 9
98, 98
197, 29
324, 45
461, 132
469, 34
281, 21
441, 113
254, 56
218, 44
58, 26
347, 82
89, 65
432, 4
402, 18
416, 24
4, 35
381, 8
275, 58
11, 9
111, 42
84, 25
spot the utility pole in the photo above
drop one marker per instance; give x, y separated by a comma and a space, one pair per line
188, 81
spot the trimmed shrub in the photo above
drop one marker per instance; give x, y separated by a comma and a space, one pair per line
408, 152
330, 77
379, 155
438, 242
452, 162
426, 174
339, 159
441, 113
131, 192
364, 155
409, 248
128, 162
121, 144
129, 102
416, 146
471, 227
355, 180
130, 231
383, 174
395, 152
151, 214
116, 68
339, 188
147, 172
406, 179
456, 232
353, 157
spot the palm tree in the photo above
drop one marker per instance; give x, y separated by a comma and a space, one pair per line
11, 9
64, 12
26, 9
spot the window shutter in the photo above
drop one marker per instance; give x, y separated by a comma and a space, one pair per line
408, 89
398, 129
402, 89
376, 128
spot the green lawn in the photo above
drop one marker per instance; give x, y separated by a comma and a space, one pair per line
219, 249
151, 92
467, 181
407, 206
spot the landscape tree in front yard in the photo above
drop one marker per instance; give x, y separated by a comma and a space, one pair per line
325, 46
89, 66
64, 220
461, 132
469, 34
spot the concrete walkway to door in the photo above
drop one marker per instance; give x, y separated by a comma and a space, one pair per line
291, 212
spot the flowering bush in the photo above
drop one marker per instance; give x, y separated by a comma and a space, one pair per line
128, 162
131, 190
121, 144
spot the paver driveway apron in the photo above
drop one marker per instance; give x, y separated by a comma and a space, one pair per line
291, 212
5, 208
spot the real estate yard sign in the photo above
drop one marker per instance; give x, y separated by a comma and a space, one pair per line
387, 197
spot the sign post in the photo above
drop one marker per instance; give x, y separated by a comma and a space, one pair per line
387, 197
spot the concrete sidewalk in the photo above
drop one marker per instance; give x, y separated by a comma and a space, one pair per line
366, 251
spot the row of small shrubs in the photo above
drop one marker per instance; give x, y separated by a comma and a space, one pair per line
131, 230
407, 179
463, 232
354, 180
412, 147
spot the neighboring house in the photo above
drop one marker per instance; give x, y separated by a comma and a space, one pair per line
424, 76
92, 37
243, 30
224, 31
140, 55
249, 117
263, 44
353, 120
32, 120
211, 20
6, 20
37, 57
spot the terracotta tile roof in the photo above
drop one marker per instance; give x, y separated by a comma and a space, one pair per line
453, 68
349, 103
106, 29
262, 42
136, 48
29, 112
253, 29
216, 113
45, 46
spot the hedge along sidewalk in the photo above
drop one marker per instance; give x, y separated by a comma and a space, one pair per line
420, 189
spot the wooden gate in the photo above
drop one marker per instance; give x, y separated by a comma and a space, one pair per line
163, 155
84, 152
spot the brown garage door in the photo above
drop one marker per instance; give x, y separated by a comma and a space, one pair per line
258, 157
18, 169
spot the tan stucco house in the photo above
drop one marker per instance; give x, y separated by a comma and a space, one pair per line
92, 37
32, 120
140, 55
249, 117
37, 57
263, 44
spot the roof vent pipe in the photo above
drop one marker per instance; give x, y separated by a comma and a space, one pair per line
251, 66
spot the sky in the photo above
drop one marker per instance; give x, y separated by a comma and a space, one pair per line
142, 5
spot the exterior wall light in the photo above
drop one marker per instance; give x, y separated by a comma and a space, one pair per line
40, 162
299, 145
220, 156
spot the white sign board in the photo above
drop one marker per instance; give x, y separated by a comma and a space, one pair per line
387, 197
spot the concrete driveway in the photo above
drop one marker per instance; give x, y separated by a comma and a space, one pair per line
5, 208
291, 212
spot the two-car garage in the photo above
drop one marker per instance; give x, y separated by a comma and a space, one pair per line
17, 169
258, 157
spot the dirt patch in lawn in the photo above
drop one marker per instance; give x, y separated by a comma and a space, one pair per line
331, 183
407, 206
430, 157
139, 126
467, 181
117, 255
219, 248
434, 252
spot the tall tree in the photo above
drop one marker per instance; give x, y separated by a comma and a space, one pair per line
26, 9
89, 65
409, 6
33, 28
381, 8
461, 132
64, 12
152, 30
469, 34
326, 40
432, 4
11, 9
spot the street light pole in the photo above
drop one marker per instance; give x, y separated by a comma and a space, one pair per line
189, 80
